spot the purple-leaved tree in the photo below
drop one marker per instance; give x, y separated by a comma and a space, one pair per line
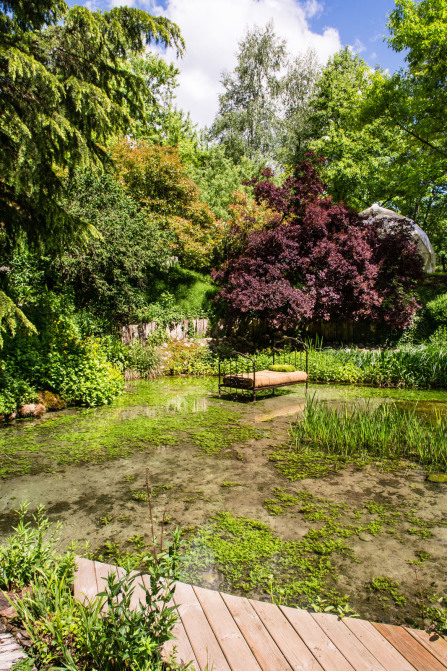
317, 260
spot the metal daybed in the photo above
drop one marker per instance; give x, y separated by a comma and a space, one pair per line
237, 371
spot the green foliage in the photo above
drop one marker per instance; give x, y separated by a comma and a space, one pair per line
105, 632
159, 122
11, 316
262, 111
361, 156
189, 358
81, 93
155, 178
13, 390
142, 358
437, 310
186, 293
437, 617
369, 127
110, 276
218, 176
31, 550
59, 359
248, 554
385, 432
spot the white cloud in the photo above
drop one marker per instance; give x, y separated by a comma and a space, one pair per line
212, 30
358, 47
313, 8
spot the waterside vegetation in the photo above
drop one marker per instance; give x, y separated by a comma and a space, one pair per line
106, 632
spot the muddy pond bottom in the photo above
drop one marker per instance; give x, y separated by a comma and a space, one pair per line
369, 538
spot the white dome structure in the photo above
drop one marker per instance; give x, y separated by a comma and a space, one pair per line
378, 213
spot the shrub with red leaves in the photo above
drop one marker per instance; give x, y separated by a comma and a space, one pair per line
317, 260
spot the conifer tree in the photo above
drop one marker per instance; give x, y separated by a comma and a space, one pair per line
65, 88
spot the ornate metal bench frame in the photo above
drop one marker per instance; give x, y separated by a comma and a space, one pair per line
237, 363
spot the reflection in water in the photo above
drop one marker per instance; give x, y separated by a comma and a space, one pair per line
184, 403
284, 409
177, 404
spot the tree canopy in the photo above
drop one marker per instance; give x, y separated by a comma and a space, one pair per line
65, 89
316, 260
156, 179
261, 111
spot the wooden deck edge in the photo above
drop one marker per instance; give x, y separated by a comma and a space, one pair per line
387, 647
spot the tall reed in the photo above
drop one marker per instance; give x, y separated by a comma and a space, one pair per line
410, 365
384, 432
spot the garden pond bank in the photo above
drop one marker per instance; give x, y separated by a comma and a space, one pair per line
373, 536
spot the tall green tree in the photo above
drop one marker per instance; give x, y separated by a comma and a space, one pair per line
156, 179
160, 122
261, 108
369, 157
360, 153
64, 90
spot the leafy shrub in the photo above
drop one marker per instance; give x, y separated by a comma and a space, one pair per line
439, 337
13, 391
142, 358
437, 310
82, 374
31, 550
59, 359
105, 633
188, 357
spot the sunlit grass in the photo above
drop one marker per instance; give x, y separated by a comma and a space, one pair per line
385, 432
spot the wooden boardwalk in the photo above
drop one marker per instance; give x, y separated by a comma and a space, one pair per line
233, 633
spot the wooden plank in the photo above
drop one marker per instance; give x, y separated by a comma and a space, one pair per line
382, 649
206, 648
262, 645
183, 650
233, 644
436, 645
411, 649
292, 647
329, 657
348, 644
180, 646
85, 587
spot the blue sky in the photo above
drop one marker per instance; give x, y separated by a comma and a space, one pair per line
363, 23
213, 28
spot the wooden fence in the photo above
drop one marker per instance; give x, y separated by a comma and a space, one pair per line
180, 331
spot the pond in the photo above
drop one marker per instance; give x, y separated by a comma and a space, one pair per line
371, 538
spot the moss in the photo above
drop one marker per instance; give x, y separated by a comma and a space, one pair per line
118, 431
438, 477
387, 588
250, 558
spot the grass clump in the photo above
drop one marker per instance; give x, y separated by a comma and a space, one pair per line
31, 550
359, 434
408, 366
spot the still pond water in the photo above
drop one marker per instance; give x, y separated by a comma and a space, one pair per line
371, 538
